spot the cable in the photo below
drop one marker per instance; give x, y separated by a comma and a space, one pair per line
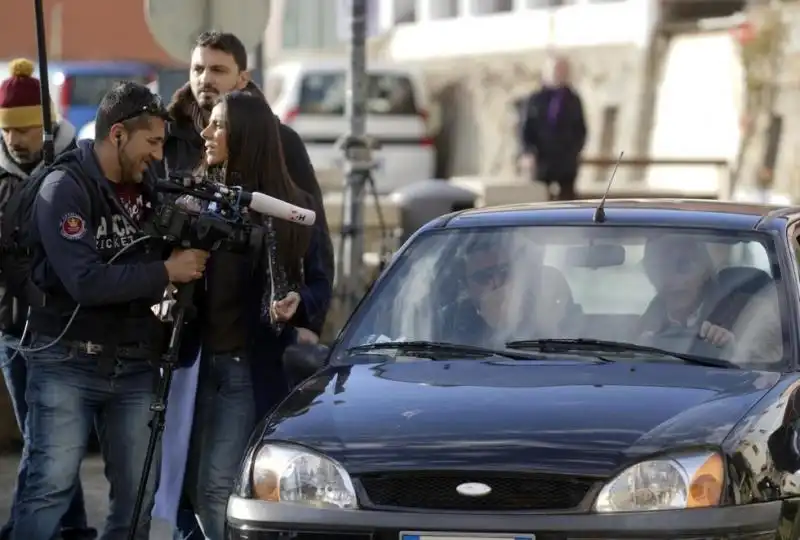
24, 350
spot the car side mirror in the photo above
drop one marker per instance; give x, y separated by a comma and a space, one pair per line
302, 360
783, 445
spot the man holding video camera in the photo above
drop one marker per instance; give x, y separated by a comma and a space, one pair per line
95, 336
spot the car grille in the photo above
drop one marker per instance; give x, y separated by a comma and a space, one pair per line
438, 491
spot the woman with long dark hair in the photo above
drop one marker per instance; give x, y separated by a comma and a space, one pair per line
255, 302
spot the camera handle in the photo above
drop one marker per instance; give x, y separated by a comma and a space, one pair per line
181, 311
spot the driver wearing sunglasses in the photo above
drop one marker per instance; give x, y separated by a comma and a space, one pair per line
682, 272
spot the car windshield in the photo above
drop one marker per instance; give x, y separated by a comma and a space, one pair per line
691, 293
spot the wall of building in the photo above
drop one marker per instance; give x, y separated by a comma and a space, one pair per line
304, 27
479, 65
81, 30
526, 26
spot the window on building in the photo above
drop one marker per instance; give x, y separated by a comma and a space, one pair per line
539, 4
444, 9
490, 7
405, 11
310, 24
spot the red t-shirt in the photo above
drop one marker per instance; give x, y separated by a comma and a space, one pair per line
132, 199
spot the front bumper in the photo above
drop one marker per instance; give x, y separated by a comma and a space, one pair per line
251, 520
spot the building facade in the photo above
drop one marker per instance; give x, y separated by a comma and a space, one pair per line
81, 30
482, 58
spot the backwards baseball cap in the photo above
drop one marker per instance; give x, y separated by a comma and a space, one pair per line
20, 98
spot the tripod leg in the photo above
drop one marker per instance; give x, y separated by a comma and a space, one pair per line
159, 409
383, 255
159, 406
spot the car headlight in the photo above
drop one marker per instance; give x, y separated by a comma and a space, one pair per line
292, 474
675, 482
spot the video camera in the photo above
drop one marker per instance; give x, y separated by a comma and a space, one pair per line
200, 214
183, 221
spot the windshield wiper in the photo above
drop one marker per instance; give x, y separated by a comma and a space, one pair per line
438, 349
564, 345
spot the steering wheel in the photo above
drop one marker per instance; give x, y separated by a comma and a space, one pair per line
679, 339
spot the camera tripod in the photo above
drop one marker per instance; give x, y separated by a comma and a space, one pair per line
360, 163
182, 310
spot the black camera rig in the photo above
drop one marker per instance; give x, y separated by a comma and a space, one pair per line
181, 220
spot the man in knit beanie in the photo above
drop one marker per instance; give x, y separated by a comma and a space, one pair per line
21, 119
21, 122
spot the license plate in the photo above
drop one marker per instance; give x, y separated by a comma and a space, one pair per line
463, 536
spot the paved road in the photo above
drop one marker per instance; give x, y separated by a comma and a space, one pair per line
95, 489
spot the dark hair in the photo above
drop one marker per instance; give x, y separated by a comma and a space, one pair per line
130, 104
224, 42
255, 153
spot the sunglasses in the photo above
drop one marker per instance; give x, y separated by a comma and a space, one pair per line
484, 277
154, 108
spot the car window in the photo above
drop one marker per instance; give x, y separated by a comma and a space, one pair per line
88, 90
323, 93
651, 287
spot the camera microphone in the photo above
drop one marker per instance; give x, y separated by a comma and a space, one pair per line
255, 201
270, 206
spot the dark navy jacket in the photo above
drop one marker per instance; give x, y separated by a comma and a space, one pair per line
81, 225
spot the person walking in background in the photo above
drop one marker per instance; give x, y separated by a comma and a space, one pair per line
20, 158
554, 132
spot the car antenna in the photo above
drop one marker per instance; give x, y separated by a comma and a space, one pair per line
48, 150
600, 213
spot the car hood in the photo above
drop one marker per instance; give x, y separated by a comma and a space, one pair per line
564, 416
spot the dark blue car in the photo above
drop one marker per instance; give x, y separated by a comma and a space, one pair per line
550, 371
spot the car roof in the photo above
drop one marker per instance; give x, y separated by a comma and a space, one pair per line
691, 213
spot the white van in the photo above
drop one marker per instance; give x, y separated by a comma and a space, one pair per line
309, 96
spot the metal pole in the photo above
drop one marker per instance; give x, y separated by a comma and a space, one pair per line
48, 151
208, 15
358, 160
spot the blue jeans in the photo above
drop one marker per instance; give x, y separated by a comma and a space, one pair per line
224, 418
66, 392
15, 373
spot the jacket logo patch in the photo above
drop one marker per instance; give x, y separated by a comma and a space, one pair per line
73, 227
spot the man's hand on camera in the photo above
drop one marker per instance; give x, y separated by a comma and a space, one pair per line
283, 310
185, 265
